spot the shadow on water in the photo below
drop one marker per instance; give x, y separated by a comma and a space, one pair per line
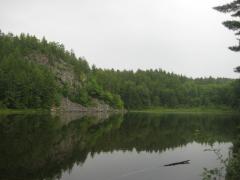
44, 146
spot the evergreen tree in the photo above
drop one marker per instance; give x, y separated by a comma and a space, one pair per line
234, 8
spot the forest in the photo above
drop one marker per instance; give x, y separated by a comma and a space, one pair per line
153, 88
27, 81
62, 117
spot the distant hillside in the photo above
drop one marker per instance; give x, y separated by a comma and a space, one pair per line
153, 88
40, 74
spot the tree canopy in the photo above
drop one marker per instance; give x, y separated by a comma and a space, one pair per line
37, 74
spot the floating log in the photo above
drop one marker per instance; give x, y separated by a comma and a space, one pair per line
178, 163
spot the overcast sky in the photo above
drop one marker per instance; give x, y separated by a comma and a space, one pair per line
181, 36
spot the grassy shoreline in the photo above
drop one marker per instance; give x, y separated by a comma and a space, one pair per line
187, 110
147, 110
22, 111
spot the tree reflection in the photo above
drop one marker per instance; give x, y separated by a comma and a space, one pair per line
44, 146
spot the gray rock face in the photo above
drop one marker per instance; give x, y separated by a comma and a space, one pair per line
65, 75
63, 71
69, 106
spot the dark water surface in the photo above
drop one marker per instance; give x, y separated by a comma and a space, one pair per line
134, 146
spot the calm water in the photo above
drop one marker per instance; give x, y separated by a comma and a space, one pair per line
134, 146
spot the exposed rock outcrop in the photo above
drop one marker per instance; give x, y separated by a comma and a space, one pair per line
65, 76
69, 106
63, 71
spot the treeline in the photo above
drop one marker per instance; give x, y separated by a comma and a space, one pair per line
29, 78
29, 75
150, 88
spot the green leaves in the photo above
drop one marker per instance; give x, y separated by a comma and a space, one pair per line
143, 89
25, 85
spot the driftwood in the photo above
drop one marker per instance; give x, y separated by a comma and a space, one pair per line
178, 163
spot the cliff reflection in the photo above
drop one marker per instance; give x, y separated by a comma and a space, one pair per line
44, 146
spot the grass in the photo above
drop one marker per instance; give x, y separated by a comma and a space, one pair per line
187, 110
21, 111
146, 110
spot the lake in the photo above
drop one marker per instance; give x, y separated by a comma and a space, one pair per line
132, 146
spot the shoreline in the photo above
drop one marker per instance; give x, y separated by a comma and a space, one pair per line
35, 111
186, 110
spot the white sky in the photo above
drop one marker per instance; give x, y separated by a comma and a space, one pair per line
181, 36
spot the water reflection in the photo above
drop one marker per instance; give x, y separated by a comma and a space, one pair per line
64, 146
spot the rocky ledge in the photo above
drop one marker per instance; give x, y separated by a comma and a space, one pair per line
69, 106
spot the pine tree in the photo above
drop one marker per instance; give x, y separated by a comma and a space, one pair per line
234, 8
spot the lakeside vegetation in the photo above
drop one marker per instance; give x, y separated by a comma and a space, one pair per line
154, 88
187, 110
22, 111
37, 74
31, 82
166, 111
146, 110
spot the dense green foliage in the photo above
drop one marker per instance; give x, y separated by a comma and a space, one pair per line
24, 84
29, 75
149, 88
37, 74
